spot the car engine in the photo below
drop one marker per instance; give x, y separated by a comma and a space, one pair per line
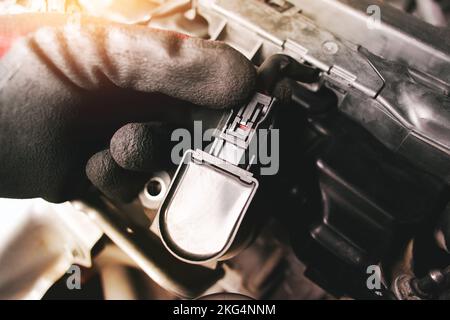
359, 207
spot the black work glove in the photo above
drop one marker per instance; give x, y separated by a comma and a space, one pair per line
66, 89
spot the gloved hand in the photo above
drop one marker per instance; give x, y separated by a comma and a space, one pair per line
67, 88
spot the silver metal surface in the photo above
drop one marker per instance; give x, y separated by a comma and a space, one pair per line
392, 79
298, 36
152, 201
399, 37
144, 247
39, 242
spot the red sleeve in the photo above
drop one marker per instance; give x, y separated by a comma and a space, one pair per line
6, 41
13, 27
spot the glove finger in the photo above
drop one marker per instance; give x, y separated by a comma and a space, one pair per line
205, 73
280, 66
142, 147
111, 179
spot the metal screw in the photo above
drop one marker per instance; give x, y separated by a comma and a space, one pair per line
330, 47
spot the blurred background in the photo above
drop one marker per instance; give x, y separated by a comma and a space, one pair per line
436, 12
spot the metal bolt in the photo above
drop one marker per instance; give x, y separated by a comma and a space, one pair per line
330, 47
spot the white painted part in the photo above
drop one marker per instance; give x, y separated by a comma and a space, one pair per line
39, 242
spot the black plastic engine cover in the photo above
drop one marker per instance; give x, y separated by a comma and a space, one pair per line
353, 202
